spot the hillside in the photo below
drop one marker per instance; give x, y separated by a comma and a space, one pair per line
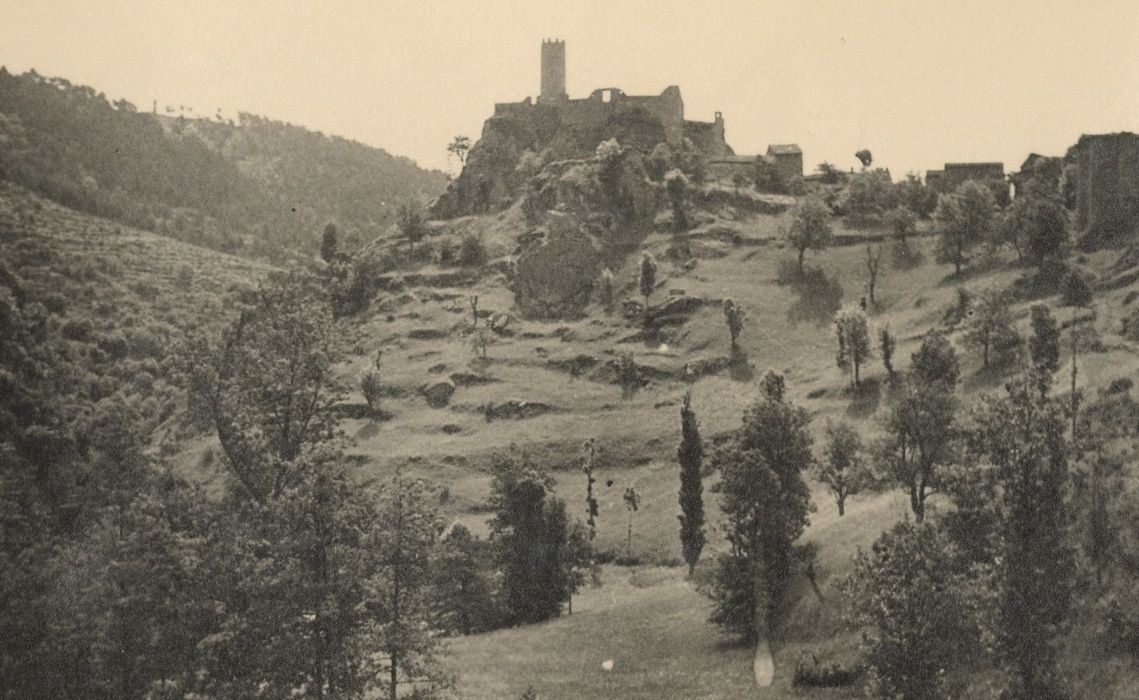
257, 187
119, 303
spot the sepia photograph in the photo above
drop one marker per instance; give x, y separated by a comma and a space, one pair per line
547, 350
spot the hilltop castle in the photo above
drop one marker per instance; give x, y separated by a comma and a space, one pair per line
604, 104
556, 127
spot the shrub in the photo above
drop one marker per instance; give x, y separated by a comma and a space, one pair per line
115, 345
77, 329
447, 253
185, 278
816, 675
372, 388
472, 251
1119, 386
55, 303
1075, 290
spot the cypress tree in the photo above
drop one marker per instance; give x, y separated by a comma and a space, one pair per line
691, 456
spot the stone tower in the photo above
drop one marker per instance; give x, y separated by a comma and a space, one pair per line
553, 71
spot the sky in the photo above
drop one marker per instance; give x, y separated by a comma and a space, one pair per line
918, 83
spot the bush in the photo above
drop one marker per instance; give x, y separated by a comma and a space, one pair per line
472, 251
447, 253
1121, 385
115, 345
77, 329
372, 389
1075, 290
816, 675
185, 279
55, 303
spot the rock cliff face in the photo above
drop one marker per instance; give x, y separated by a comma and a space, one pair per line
555, 274
1107, 195
500, 163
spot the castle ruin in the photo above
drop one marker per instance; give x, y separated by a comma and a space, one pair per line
603, 105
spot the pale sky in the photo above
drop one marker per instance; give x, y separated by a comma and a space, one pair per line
919, 83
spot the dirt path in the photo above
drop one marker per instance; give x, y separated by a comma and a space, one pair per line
764, 664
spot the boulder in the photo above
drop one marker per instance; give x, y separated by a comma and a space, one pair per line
498, 322
438, 393
554, 279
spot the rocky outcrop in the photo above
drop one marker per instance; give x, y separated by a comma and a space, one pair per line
1107, 194
489, 180
515, 147
555, 275
438, 393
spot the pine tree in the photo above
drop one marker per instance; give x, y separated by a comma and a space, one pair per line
691, 456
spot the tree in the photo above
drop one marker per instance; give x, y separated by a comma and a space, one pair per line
591, 508
605, 289
530, 531
405, 532
905, 596
1045, 342
936, 361
915, 195
810, 227
920, 435
842, 470
632, 503
829, 174
371, 386
865, 157
1046, 237
459, 147
411, 224
886, 344
676, 185
328, 243
1075, 290
902, 223
853, 340
734, 316
867, 196
648, 280
1022, 436
766, 502
462, 596
991, 324
690, 454
873, 265
965, 219
268, 388
773, 385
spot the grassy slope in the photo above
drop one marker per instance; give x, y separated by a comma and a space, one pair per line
650, 621
660, 629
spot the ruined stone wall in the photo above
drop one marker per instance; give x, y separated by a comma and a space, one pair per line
708, 137
1107, 187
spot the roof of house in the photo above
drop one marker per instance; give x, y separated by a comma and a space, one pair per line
975, 166
784, 149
